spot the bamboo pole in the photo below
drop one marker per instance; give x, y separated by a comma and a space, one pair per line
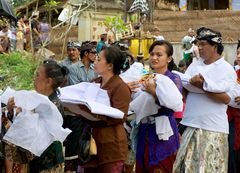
64, 45
37, 5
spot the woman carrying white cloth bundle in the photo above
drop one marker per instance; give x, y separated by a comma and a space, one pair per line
48, 78
109, 133
204, 145
154, 108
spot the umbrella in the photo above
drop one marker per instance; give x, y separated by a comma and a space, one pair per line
6, 10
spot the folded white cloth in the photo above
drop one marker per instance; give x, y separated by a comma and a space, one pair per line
134, 73
143, 106
168, 94
6, 95
233, 93
185, 82
212, 81
38, 125
163, 128
90, 95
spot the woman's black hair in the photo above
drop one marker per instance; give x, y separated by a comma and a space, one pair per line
44, 20
86, 48
165, 43
116, 57
56, 72
169, 51
82, 53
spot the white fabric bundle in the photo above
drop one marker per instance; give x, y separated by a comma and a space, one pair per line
233, 93
185, 82
90, 95
134, 73
143, 106
163, 128
215, 85
168, 96
38, 125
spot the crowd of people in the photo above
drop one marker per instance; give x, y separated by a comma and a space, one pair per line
16, 37
170, 124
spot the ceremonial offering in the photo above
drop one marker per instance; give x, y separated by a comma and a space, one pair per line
147, 77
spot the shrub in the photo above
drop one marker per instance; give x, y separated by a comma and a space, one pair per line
18, 70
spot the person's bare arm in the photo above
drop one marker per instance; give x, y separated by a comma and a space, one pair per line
219, 97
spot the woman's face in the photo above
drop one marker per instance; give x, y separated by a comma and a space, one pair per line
101, 66
159, 58
41, 82
238, 56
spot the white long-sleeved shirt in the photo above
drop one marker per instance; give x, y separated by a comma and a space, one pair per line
201, 111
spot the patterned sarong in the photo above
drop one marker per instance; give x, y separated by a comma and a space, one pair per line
202, 151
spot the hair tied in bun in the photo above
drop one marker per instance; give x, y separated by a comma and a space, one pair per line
64, 70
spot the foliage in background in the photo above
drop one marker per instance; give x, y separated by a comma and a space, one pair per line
50, 4
115, 24
17, 3
133, 18
18, 70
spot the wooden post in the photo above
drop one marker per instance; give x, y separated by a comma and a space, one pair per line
31, 37
27, 12
230, 4
64, 46
152, 7
126, 13
37, 5
140, 35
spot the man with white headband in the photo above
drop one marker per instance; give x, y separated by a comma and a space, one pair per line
204, 145
73, 63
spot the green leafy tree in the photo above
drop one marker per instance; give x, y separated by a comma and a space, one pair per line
115, 24
50, 5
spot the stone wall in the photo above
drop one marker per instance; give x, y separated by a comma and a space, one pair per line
174, 25
229, 53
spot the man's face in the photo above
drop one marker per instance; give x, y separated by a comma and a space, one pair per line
191, 33
73, 53
157, 33
105, 37
92, 54
206, 50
